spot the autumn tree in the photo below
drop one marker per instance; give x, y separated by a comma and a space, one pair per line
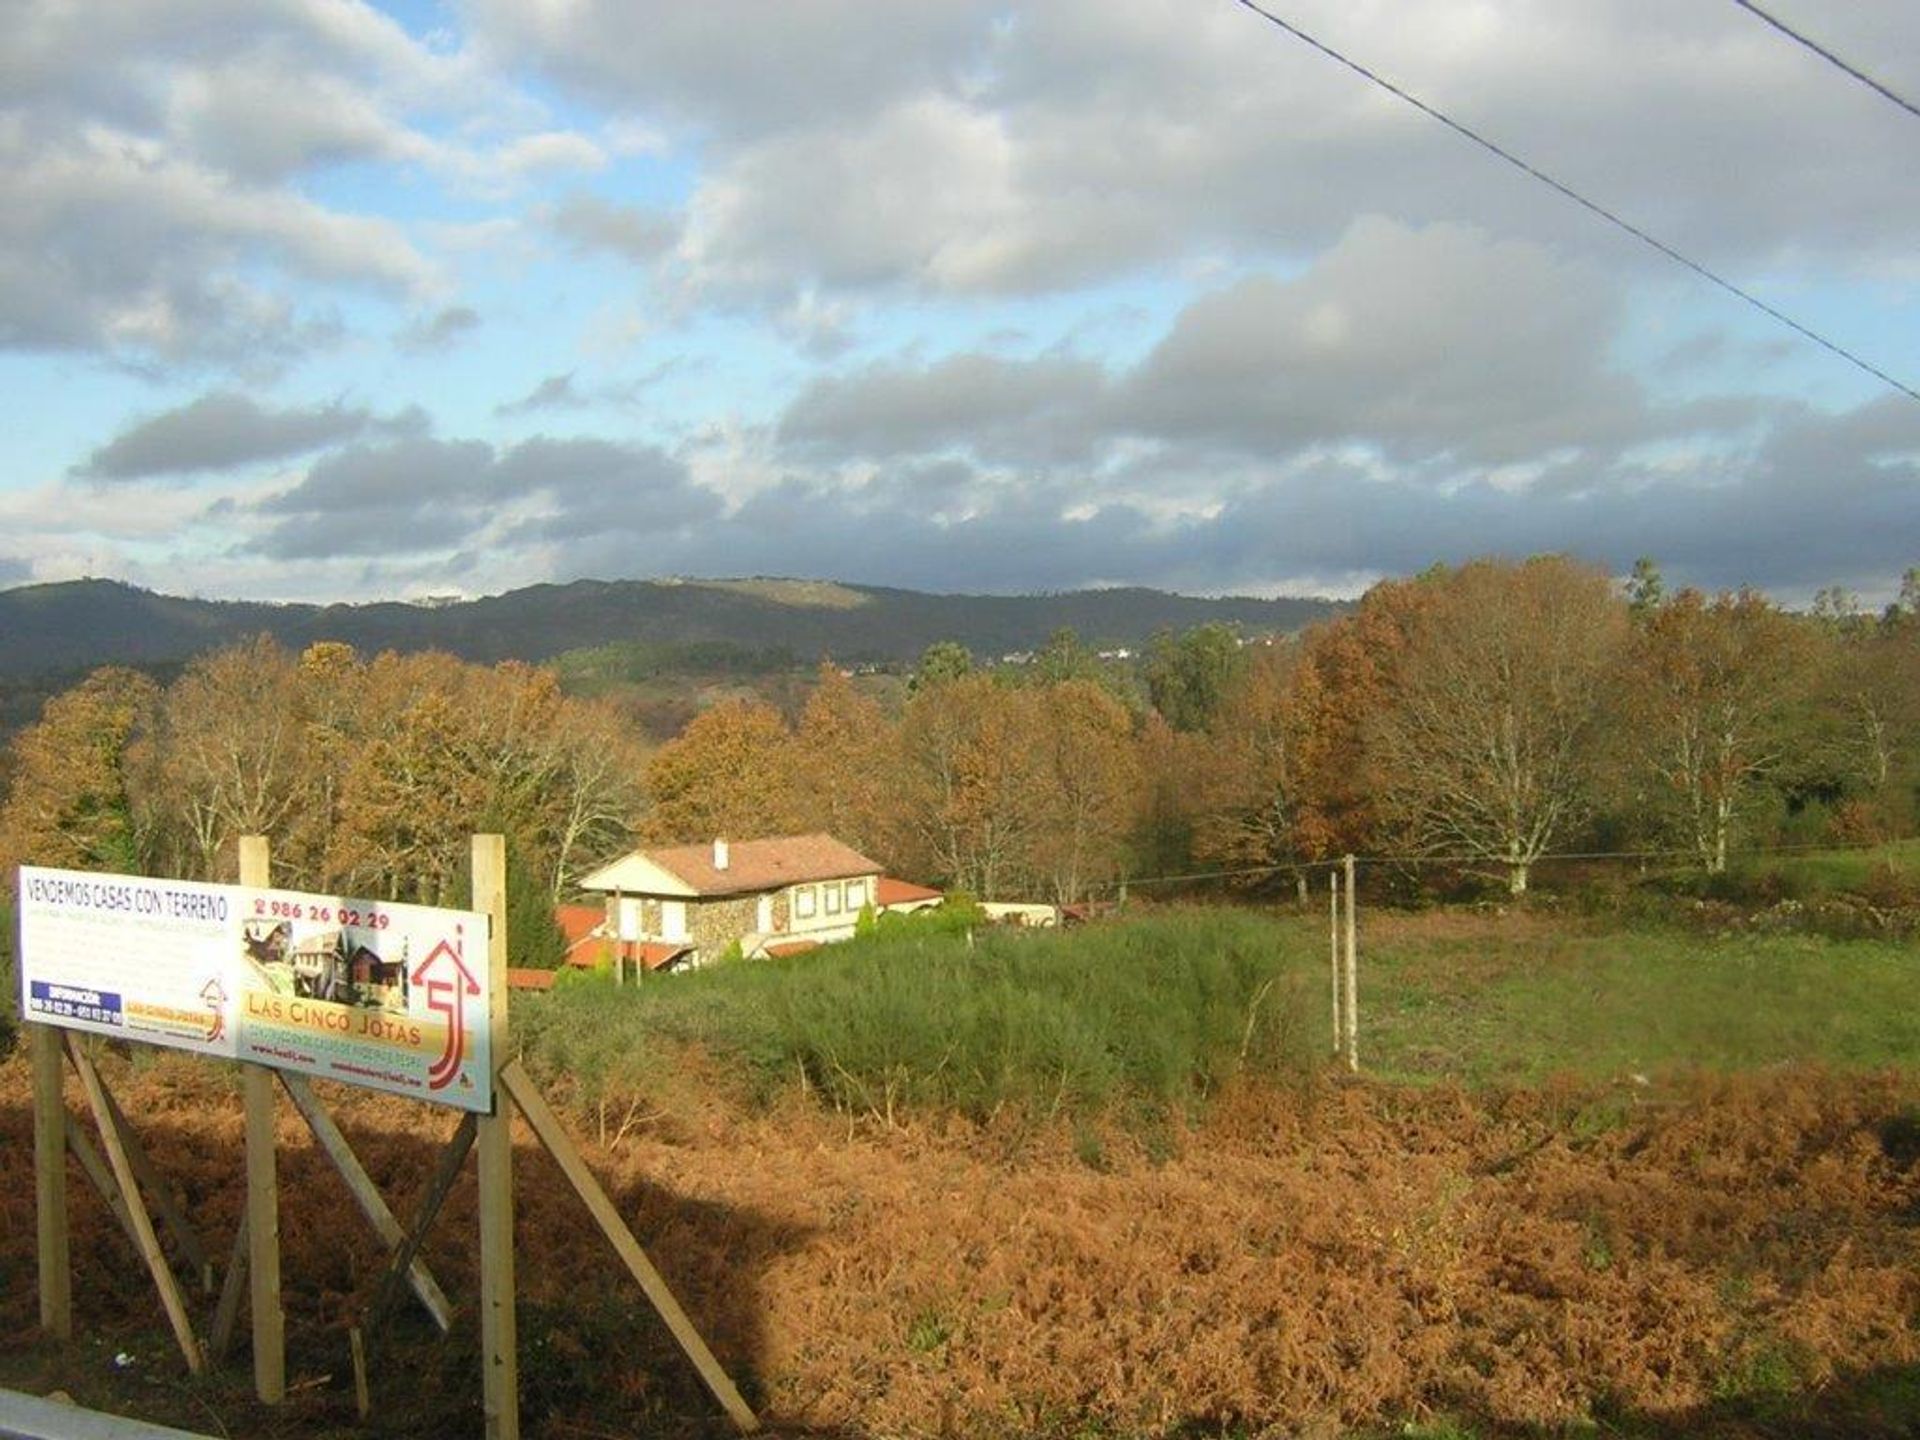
83, 795
1246, 793
845, 765
729, 773
1346, 672
413, 794
230, 752
1090, 783
1487, 747
332, 710
971, 783
1717, 694
599, 796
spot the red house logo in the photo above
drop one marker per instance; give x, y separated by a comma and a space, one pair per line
448, 983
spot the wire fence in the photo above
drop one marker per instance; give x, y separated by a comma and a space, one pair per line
1312, 867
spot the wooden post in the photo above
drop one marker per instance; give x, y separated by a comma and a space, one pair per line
1353, 971
365, 1194
50, 1183
156, 1187
1333, 955
171, 1300
445, 1173
263, 1192
619, 942
95, 1169
499, 1335
552, 1134
220, 1337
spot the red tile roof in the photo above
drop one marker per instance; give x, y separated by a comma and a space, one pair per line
902, 892
657, 954
578, 922
785, 948
518, 979
754, 865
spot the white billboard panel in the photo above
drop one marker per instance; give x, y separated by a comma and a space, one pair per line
384, 995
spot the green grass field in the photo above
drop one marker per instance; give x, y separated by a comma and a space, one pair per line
1514, 999
1161, 1009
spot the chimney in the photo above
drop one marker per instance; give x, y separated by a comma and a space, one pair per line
719, 854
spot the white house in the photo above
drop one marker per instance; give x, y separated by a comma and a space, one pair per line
688, 904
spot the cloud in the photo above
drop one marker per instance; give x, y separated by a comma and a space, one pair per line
1427, 345
1043, 411
1421, 342
223, 430
556, 392
425, 496
109, 244
440, 329
156, 159
972, 149
590, 223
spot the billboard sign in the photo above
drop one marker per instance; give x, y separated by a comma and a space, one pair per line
388, 996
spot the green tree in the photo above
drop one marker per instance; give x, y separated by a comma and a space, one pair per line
1645, 589
1188, 675
940, 662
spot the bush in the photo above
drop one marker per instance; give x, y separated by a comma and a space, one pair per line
1135, 1014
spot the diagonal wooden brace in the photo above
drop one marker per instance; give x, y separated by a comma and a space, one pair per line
365, 1194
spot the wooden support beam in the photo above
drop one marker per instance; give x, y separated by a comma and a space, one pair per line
452, 1156
161, 1194
263, 1191
50, 1130
365, 1193
163, 1279
95, 1169
499, 1328
1353, 969
567, 1156
220, 1337
1333, 941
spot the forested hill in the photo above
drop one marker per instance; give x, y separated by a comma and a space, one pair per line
79, 624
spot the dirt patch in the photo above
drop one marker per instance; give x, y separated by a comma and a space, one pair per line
1338, 1256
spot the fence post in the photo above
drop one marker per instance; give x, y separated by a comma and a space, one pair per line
1353, 970
263, 1194
50, 1183
1333, 954
499, 1334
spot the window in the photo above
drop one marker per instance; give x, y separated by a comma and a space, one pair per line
856, 894
803, 902
832, 893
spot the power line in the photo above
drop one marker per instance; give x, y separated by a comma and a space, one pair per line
1422, 857
1827, 55
1567, 191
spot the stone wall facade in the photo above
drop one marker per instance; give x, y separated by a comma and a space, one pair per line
713, 925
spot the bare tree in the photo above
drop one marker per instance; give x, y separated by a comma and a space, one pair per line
1718, 693
1485, 748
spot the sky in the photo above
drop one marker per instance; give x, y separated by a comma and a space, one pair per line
320, 300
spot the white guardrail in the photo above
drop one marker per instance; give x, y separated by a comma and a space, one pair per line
28, 1417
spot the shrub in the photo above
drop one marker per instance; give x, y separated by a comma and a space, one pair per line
1135, 1014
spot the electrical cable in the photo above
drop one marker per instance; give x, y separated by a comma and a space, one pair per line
1827, 55
1568, 192
1415, 857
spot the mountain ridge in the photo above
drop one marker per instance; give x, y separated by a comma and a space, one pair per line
80, 624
